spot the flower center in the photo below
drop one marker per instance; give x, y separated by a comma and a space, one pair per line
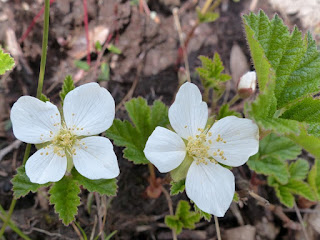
64, 141
198, 148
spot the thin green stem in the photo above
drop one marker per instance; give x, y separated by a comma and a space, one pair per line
234, 99
216, 222
44, 47
39, 91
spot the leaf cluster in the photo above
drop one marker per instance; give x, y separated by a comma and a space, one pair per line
211, 72
134, 135
183, 218
64, 194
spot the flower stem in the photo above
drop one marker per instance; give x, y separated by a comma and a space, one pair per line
44, 47
39, 92
216, 222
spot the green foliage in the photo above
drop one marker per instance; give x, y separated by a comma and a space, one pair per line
134, 135
306, 110
112, 48
177, 187
271, 159
184, 218
295, 60
82, 65
68, 85
236, 197
105, 72
98, 46
294, 64
298, 171
225, 111
314, 178
211, 72
102, 186
22, 185
64, 196
207, 17
44, 98
6, 62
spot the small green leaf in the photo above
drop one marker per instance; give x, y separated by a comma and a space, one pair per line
98, 46
300, 188
64, 196
299, 169
184, 218
82, 65
103, 186
134, 136
22, 185
236, 197
207, 17
211, 72
6, 62
44, 98
225, 111
177, 187
112, 48
285, 196
105, 72
68, 85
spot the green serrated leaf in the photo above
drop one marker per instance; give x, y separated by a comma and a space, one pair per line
68, 85
300, 188
285, 196
294, 59
299, 169
82, 65
270, 166
211, 72
177, 187
102, 186
6, 62
225, 111
273, 152
64, 197
22, 185
306, 110
134, 136
207, 17
184, 218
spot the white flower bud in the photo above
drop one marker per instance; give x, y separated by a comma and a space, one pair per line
247, 84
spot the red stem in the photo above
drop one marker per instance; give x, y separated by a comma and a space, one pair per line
86, 26
34, 20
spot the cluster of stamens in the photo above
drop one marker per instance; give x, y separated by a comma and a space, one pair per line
198, 147
63, 142
219, 152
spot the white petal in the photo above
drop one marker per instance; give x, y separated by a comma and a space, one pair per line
188, 113
211, 187
89, 109
95, 159
46, 166
241, 137
165, 149
34, 121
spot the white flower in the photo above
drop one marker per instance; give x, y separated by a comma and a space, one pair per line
230, 141
87, 110
247, 84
